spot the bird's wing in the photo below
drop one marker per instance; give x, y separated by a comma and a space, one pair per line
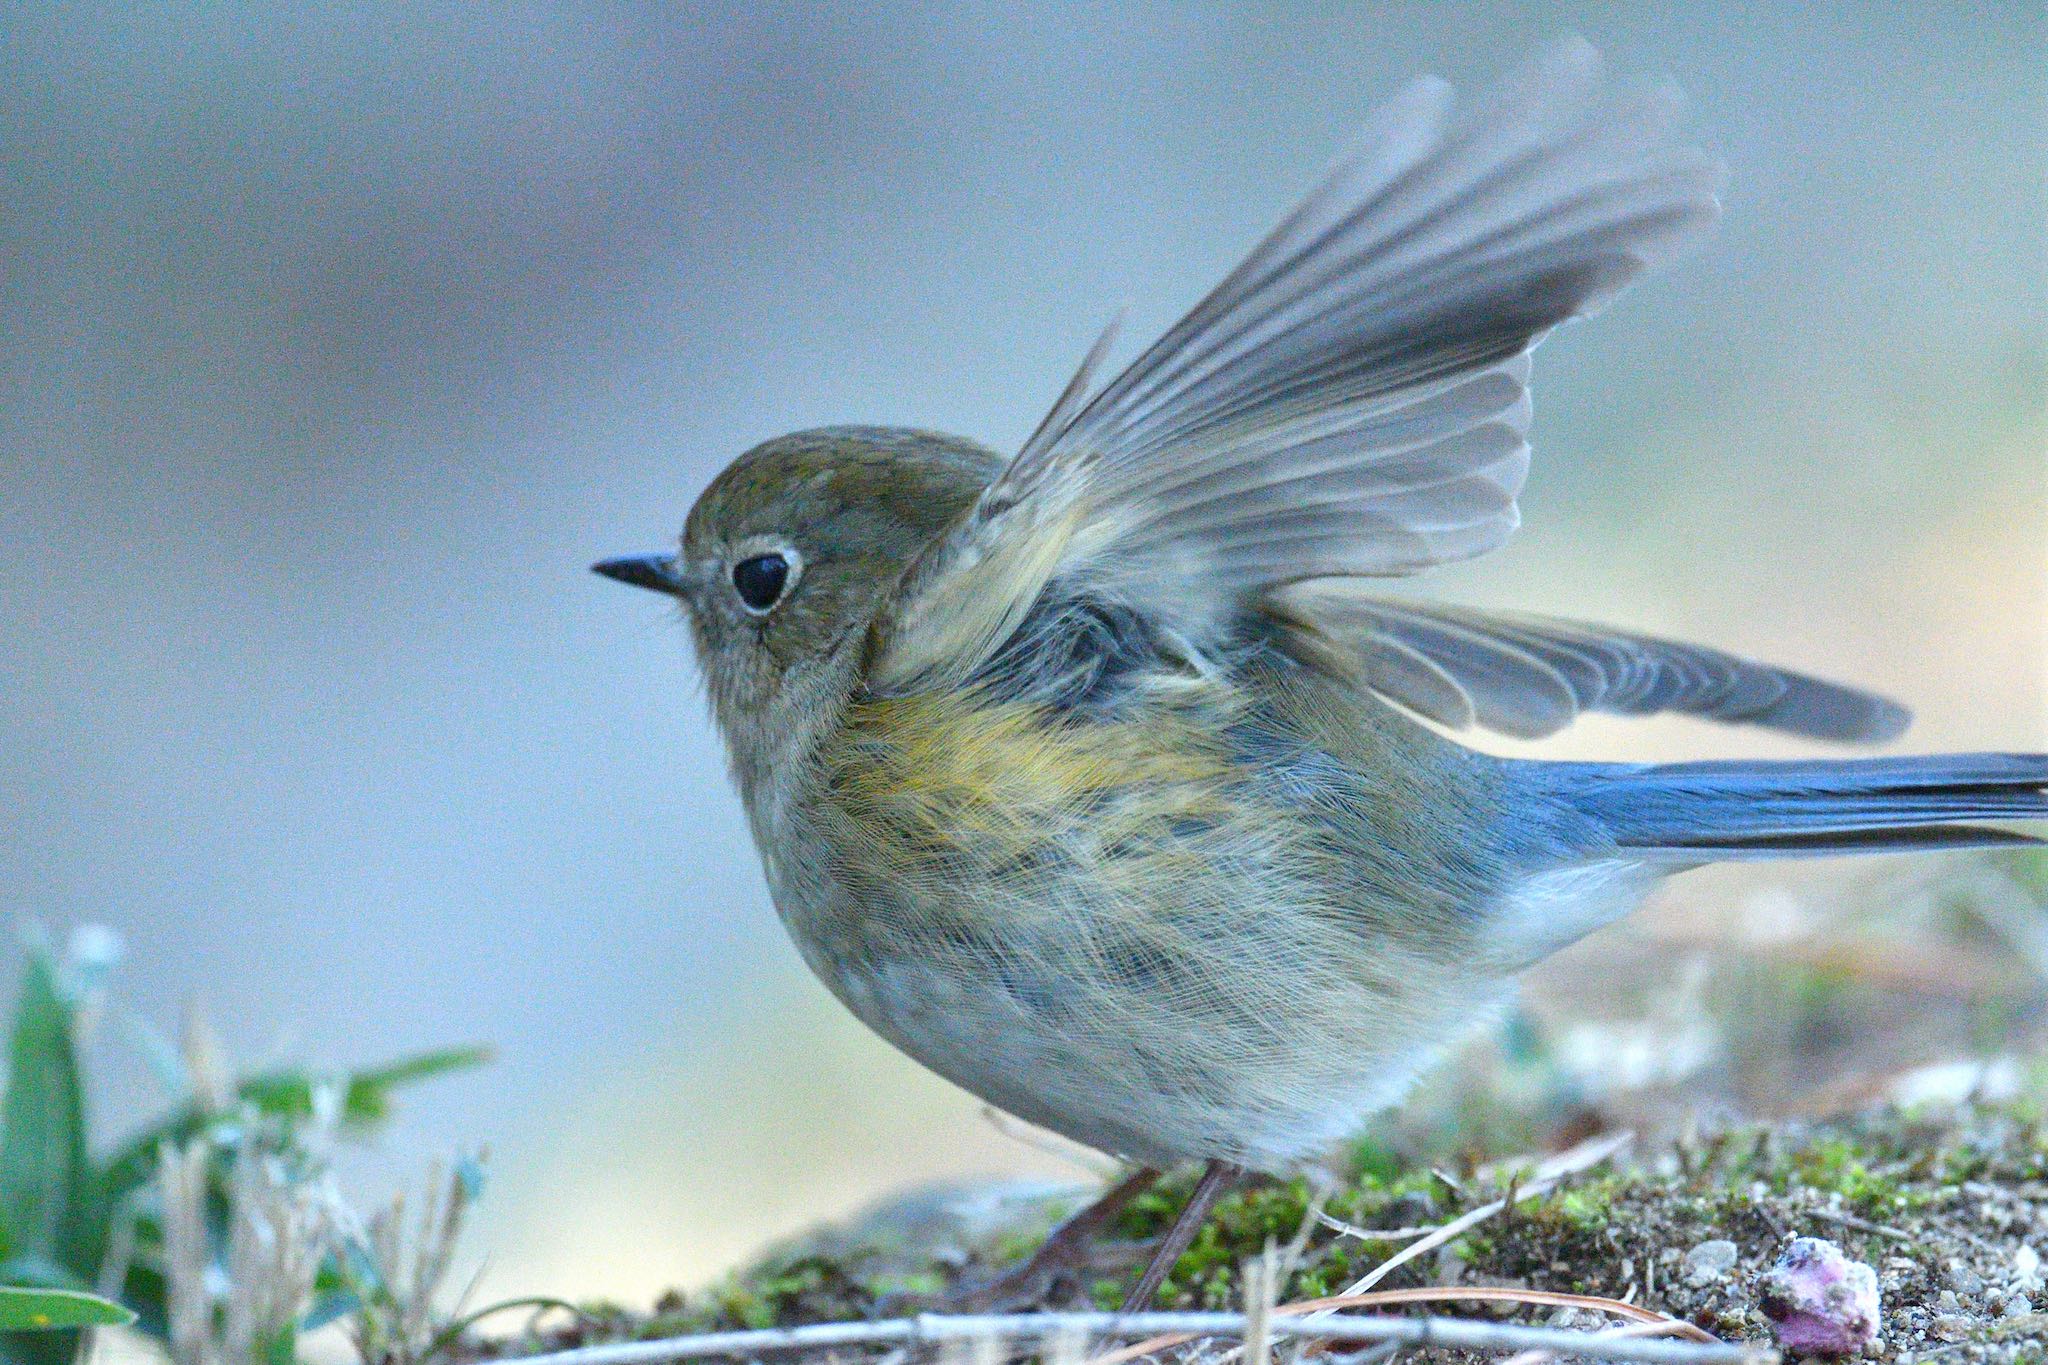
1351, 400
1531, 676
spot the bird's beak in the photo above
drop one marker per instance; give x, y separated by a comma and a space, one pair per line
657, 572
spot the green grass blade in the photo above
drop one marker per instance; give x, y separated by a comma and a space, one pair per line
366, 1098
288, 1094
46, 1180
44, 1310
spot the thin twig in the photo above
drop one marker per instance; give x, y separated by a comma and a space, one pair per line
1488, 1293
934, 1329
1371, 1355
1344, 1229
1850, 1220
1097, 1166
1633, 1329
1388, 1298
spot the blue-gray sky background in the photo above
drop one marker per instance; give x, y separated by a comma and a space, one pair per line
337, 344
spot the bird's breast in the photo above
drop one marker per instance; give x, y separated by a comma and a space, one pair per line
1136, 930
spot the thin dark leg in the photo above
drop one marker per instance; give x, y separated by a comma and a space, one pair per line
1217, 1176
1063, 1249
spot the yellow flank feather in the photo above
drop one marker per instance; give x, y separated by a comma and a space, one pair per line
958, 774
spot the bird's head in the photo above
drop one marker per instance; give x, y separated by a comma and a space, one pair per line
790, 552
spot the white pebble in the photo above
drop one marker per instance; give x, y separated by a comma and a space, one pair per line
1710, 1261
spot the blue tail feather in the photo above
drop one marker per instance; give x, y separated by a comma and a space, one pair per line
1757, 809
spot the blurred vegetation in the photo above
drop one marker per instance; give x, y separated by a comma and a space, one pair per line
57, 1310
190, 1228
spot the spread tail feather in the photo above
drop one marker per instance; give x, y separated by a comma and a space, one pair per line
1755, 809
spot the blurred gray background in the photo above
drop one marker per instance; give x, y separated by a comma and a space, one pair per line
337, 344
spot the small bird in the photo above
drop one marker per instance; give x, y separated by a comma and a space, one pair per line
1101, 781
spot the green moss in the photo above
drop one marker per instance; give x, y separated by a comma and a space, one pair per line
1015, 1246
676, 1323
797, 1287
920, 1284
1243, 1224
1587, 1208
1839, 1166
1475, 1248
1374, 1165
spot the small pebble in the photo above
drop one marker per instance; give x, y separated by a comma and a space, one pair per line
1710, 1261
2017, 1307
1822, 1302
1964, 1280
2026, 1268
1949, 1327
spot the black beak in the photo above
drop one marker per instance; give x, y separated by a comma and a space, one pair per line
656, 572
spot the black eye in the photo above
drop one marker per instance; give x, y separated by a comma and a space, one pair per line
760, 580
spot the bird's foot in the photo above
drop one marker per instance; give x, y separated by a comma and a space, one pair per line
1065, 1252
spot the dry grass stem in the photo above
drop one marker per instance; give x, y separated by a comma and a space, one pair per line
410, 1247
277, 1236
181, 1183
207, 1073
1580, 1158
1344, 1229
1044, 1140
1261, 1293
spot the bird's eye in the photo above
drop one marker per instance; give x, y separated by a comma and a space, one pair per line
760, 579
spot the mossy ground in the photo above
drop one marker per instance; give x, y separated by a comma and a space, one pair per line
1940, 1204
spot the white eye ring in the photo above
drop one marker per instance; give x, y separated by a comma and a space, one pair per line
763, 575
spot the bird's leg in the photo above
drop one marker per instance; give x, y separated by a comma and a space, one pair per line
1217, 1176
1063, 1249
